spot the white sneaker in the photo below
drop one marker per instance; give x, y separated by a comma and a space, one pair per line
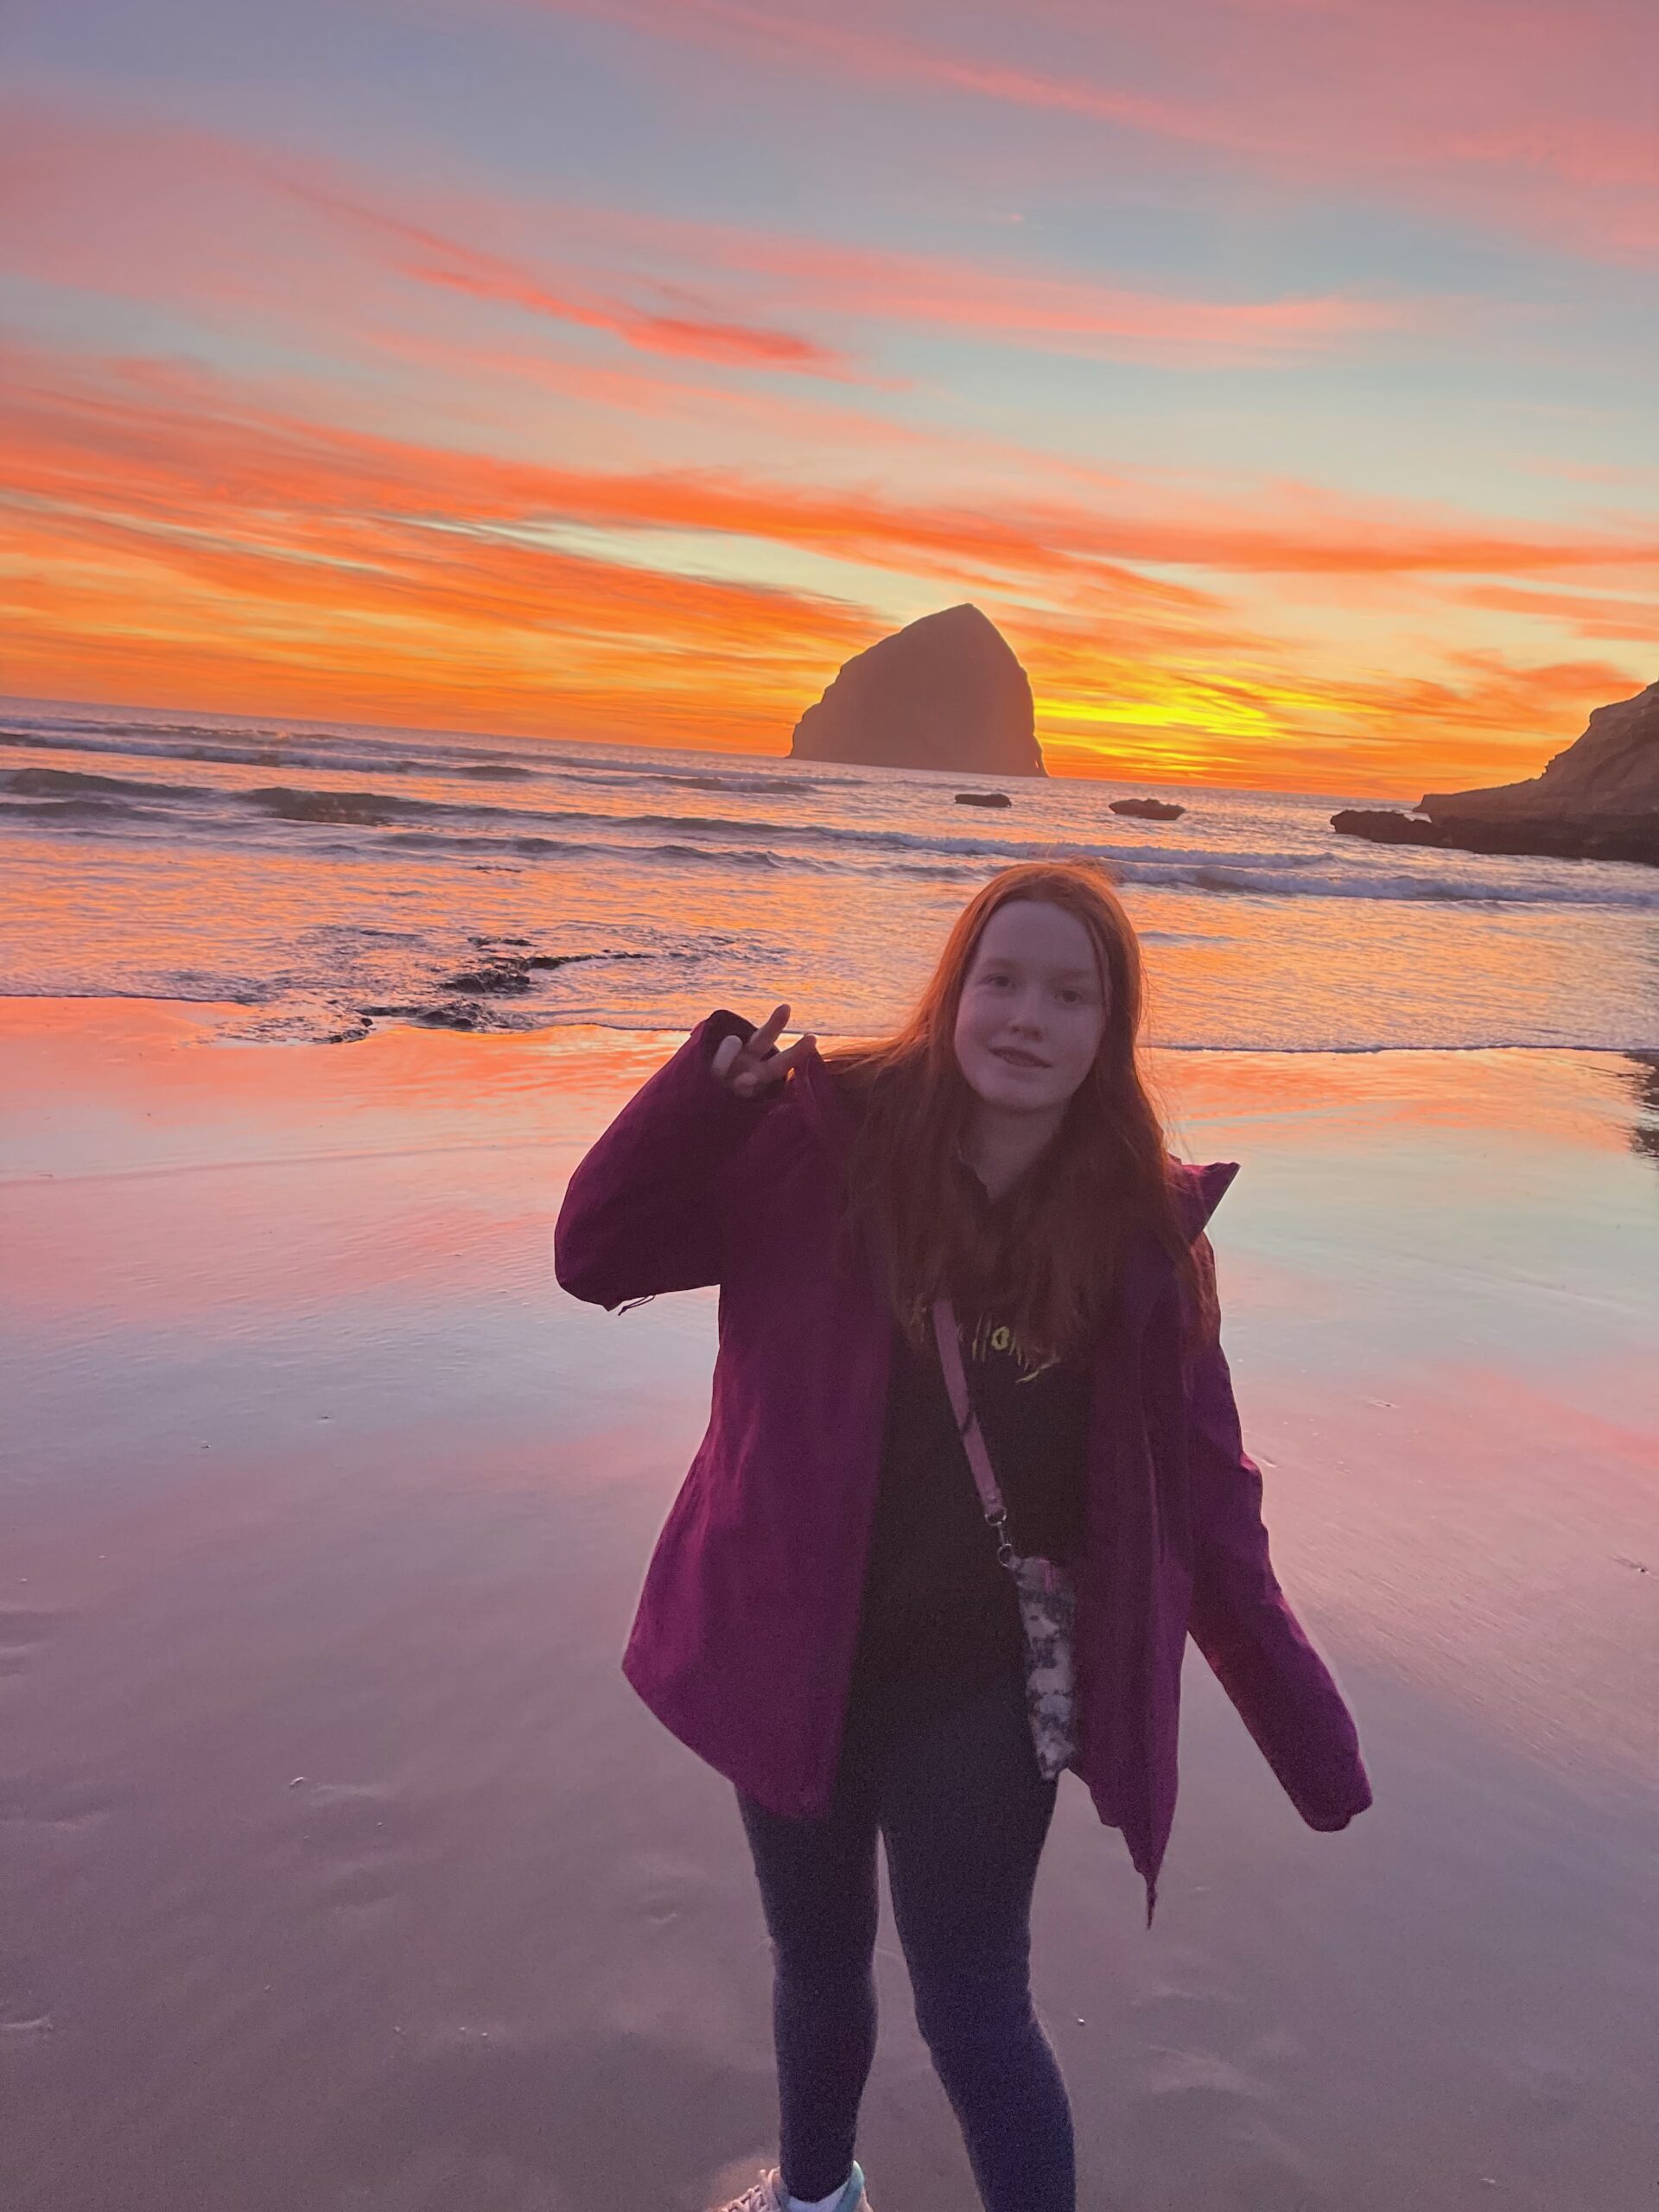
769, 2195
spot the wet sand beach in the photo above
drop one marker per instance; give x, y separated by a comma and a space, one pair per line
342, 1873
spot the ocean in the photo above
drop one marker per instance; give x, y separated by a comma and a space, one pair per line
309, 882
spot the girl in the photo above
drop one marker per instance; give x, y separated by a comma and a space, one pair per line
827, 1619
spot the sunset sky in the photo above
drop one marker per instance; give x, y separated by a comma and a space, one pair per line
1279, 374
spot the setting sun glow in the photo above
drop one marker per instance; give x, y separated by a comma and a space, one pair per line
1277, 378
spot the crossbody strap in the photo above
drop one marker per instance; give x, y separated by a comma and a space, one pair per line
949, 1339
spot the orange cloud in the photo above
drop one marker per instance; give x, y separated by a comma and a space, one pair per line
170, 538
1587, 615
71, 431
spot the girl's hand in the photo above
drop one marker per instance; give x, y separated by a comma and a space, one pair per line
748, 1070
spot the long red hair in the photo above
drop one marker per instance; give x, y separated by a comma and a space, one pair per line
1106, 1173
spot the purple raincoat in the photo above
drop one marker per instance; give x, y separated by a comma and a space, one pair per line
744, 1640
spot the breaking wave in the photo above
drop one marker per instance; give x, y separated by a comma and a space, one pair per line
660, 838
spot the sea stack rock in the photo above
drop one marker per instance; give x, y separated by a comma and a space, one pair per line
1598, 800
944, 692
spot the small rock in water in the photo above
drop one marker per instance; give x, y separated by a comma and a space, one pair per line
983, 798
431, 1017
500, 977
1149, 809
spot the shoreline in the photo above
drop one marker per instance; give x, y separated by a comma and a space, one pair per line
352, 1874
59, 1006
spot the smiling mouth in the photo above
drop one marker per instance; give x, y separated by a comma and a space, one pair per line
1015, 1059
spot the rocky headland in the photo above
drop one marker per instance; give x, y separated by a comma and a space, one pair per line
1598, 800
944, 692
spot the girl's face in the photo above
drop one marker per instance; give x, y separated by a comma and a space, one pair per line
1034, 1008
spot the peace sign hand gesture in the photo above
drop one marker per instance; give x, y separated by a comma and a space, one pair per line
748, 1070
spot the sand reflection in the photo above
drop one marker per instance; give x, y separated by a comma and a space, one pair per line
350, 1871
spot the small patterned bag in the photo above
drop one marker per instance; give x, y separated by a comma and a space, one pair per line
1048, 1599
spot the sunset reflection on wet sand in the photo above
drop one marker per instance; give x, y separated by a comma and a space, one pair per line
354, 1875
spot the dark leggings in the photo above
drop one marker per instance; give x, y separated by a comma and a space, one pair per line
963, 1813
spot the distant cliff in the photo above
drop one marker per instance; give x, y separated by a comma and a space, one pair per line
944, 692
1612, 771
1598, 800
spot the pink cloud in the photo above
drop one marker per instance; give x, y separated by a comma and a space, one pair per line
432, 259
1540, 122
112, 203
1021, 304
